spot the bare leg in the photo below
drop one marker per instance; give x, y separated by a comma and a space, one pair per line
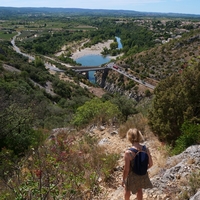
127, 194
139, 194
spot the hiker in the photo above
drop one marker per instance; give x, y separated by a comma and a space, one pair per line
133, 182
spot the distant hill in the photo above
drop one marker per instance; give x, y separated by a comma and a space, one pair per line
10, 11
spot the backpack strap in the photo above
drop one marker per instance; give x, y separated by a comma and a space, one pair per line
144, 148
133, 150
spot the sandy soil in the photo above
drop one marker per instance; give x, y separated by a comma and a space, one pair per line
99, 92
94, 50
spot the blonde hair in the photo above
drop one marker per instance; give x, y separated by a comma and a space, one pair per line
134, 135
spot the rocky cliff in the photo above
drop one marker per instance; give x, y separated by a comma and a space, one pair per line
109, 81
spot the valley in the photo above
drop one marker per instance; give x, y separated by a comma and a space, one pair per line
63, 137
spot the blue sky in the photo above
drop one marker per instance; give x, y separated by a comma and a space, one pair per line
166, 6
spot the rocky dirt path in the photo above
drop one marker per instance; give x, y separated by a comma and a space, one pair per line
111, 140
170, 175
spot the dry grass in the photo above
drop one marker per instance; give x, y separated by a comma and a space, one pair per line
138, 121
159, 150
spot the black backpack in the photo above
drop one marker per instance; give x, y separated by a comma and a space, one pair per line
139, 163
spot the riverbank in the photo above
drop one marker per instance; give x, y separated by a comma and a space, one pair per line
93, 50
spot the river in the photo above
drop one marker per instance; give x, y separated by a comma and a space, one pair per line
96, 60
92, 60
89, 60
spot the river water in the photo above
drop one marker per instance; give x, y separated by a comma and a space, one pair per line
92, 60
96, 60
119, 42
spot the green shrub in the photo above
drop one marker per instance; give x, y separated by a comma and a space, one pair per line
190, 136
95, 111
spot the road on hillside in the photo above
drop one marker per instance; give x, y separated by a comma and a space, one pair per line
47, 65
115, 67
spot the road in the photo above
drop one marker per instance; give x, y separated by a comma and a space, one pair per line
113, 66
47, 65
18, 50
